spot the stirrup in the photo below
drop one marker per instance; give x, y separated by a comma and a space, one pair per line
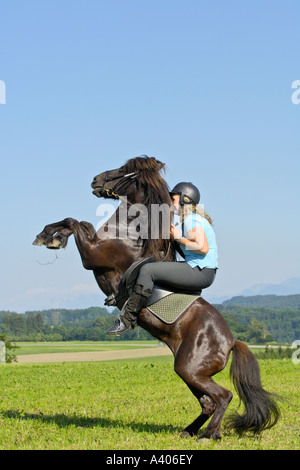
118, 328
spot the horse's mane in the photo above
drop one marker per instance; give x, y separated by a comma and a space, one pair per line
156, 191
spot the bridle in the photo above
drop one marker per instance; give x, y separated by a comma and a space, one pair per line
125, 181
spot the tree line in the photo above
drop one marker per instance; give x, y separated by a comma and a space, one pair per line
251, 324
282, 324
65, 325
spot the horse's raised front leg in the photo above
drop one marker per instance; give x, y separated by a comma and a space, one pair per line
61, 237
95, 253
54, 235
54, 242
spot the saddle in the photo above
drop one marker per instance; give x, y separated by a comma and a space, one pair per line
128, 282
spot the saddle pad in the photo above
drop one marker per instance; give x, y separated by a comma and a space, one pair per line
172, 306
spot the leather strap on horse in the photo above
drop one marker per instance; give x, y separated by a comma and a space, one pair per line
125, 180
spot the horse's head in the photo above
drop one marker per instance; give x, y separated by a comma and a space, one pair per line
138, 179
113, 183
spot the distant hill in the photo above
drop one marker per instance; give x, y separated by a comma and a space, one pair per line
288, 287
265, 301
280, 314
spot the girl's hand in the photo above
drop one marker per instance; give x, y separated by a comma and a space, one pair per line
175, 233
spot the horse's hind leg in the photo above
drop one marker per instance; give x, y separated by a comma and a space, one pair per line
221, 398
213, 398
208, 407
214, 401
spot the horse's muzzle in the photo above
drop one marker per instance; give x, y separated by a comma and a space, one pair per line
97, 192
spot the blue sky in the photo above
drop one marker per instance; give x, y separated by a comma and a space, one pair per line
203, 86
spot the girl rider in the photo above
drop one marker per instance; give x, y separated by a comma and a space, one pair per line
197, 242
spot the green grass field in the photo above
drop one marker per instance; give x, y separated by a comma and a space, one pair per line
124, 405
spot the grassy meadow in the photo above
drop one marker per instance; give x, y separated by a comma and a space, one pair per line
132, 404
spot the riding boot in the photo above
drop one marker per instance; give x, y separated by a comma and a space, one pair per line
128, 316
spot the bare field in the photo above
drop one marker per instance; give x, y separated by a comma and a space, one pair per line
93, 356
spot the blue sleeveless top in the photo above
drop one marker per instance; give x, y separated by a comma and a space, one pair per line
210, 260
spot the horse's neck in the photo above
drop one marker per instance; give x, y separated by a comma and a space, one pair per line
121, 229
124, 249
134, 221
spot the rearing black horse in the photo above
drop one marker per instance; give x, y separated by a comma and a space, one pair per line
200, 339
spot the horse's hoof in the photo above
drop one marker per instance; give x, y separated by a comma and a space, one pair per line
38, 241
55, 244
185, 434
215, 436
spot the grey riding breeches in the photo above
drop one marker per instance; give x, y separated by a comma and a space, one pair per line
177, 275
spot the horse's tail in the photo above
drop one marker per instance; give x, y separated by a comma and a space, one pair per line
261, 411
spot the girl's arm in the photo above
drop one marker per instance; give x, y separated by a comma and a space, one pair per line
196, 240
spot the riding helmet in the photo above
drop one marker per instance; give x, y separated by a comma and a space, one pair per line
189, 190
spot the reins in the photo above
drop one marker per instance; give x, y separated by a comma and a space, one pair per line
125, 181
